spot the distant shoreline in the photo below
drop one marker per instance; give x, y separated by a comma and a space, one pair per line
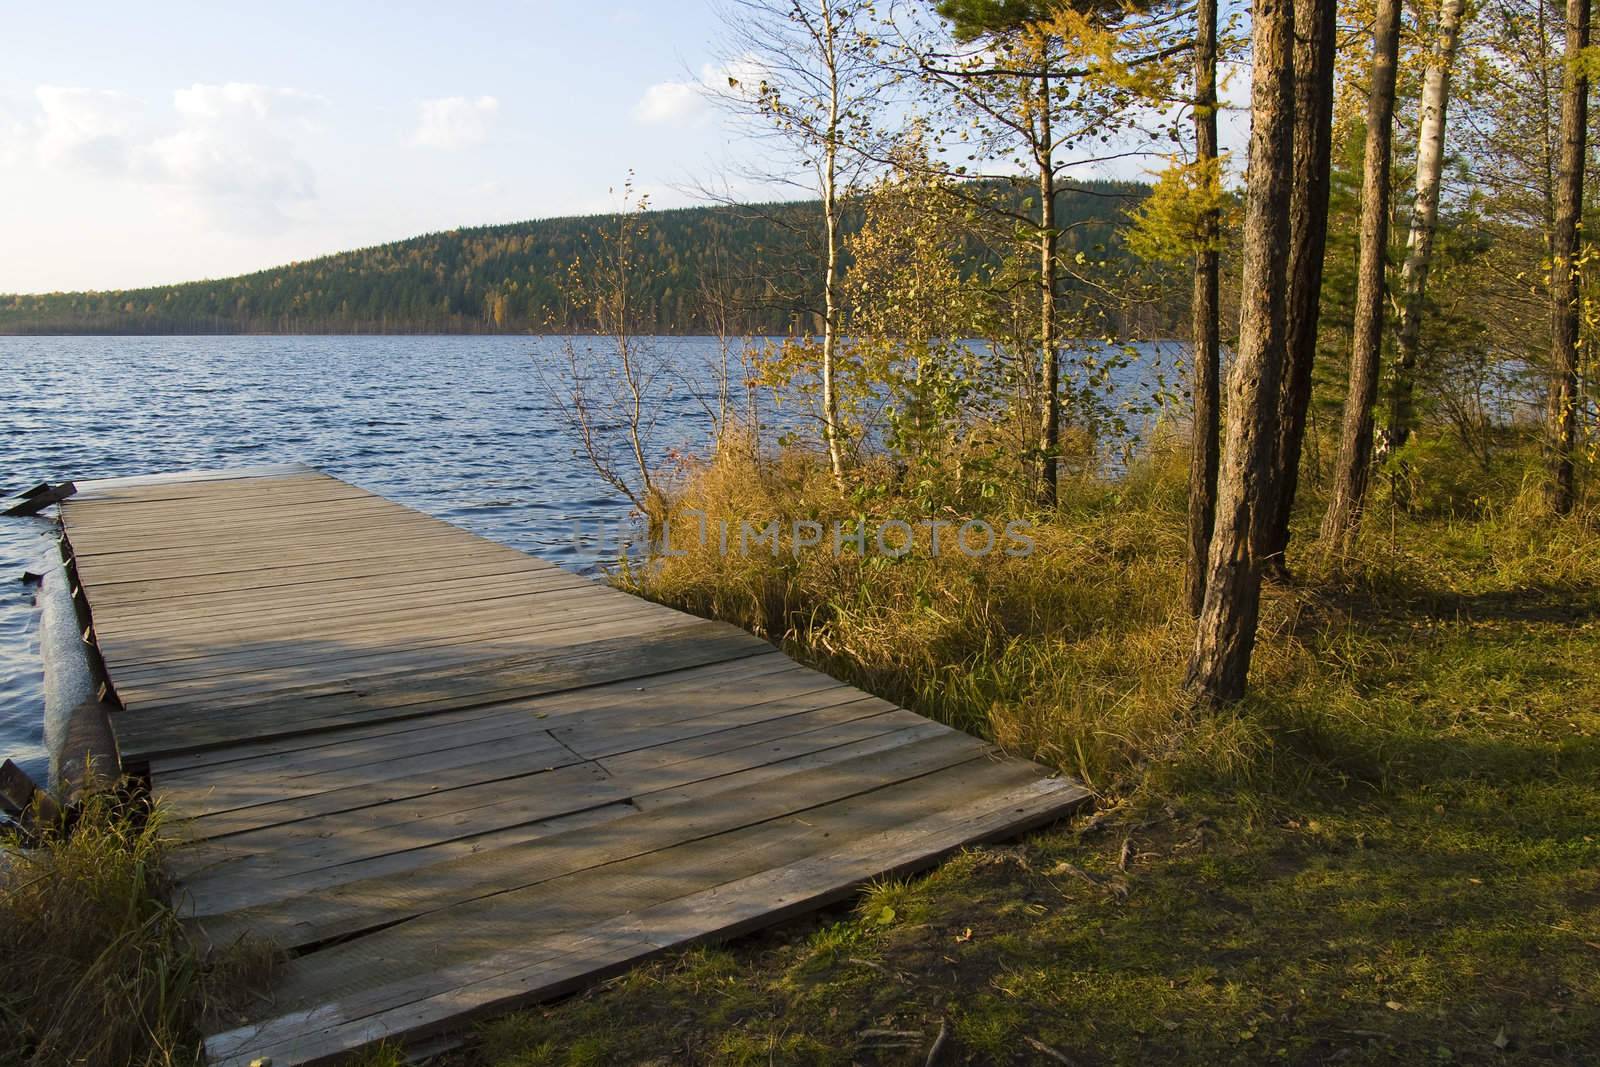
356, 333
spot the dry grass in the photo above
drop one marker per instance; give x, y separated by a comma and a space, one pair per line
1063, 655
1072, 655
100, 972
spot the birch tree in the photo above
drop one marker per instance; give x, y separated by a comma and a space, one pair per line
1355, 437
1424, 220
612, 387
808, 69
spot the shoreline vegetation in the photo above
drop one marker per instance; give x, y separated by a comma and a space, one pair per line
102, 971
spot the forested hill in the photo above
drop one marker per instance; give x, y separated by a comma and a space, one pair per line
509, 279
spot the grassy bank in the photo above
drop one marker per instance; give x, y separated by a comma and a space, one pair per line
98, 970
1389, 853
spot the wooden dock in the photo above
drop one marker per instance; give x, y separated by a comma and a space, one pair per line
448, 778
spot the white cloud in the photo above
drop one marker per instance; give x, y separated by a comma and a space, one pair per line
235, 100
16, 130
89, 128
679, 102
234, 153
670, 102
227, 151
454, 122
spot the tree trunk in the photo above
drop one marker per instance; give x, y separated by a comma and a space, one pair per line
1563, 428
1316, 28
1355, 439
1050, 363
830, 316
1225, 635
1206, 336
833, 238
1424, 218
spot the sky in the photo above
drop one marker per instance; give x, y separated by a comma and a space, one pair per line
145, 144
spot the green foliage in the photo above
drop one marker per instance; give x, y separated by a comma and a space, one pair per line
484, 279
1589, 63
917, 293
1169, 224
973, 18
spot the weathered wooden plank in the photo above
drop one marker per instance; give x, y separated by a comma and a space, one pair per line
427, 680
802, 752
22, 800
250, 553
402, 748
135, 511
114, 487
674, 728
197, 520
328, 602
388, 741
161, 666
289, 850
408, 1009
288, 750
286, 846
295, 575
240, 804
342, 908
264, 529
307, 664
482, 926
166, 730
190, 638
183, 608
111, 571
32, 502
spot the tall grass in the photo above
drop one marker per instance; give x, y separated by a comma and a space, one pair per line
99, 971
1073, 655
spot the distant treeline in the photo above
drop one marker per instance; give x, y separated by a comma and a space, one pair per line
758, 259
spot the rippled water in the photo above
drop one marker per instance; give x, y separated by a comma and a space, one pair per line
458, 427
462, 428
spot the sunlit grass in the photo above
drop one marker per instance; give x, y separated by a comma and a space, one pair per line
99, 970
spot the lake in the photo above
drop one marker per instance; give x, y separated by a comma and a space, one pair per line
462, 428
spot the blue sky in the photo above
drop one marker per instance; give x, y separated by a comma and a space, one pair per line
152, 143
